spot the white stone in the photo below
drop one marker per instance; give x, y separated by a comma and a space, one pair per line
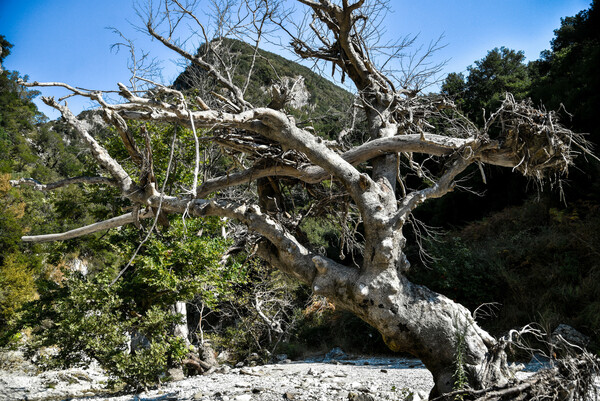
364, 289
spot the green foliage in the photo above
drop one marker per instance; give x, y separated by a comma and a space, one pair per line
455, 87
567, 74
275, 296
461, 379
537, 259
460, 271
5, 46
18, 117
12, 210
539, 262
17, 286
87, 318
308, 324
327, 106
501, 70
182, 263
147, 365
323, 234
17, 270
482, 90
161, 137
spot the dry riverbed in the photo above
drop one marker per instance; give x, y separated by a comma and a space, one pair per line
381, 378
335, 376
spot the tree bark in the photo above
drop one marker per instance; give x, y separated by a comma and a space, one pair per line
181, 330
413, 319
410, 317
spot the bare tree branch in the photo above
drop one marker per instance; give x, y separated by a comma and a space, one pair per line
237, 92
100, 154
90, 229
58, 184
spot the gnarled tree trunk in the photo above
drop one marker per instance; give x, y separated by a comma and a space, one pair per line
397, 123
428, 325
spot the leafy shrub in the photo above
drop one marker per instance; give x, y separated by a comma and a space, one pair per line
87, 318
460, 272
93, 317
17, 270
17, 285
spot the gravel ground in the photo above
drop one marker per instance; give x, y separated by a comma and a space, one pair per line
301, 381
327, 378
380, 378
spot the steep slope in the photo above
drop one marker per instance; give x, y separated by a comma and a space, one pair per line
311, 92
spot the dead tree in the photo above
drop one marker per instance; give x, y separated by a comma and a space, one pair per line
402, 132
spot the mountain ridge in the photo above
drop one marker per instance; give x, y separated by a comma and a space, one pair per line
322, 98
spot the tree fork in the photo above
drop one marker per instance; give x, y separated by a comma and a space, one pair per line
411, 317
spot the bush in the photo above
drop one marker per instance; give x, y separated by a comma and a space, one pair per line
261, 315
87, 318
17, 286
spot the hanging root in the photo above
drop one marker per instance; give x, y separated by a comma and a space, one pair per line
536, 138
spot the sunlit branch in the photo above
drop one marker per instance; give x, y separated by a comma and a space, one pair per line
237, 92
100, 154
58, 184
90, 229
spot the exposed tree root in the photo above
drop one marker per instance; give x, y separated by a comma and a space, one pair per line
196, 366
571, 378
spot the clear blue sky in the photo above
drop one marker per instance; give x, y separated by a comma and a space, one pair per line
67, 40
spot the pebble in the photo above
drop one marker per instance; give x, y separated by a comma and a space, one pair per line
299, 381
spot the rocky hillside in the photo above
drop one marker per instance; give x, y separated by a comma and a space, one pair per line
327, 103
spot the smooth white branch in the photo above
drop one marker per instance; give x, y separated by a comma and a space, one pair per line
89, 229
100, 154
58, 184
436, 145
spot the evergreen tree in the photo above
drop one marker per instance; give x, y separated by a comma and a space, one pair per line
501, 70
567, 74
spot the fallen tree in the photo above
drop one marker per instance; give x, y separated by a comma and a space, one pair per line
404, 150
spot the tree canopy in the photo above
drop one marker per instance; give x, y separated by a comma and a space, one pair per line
501, 70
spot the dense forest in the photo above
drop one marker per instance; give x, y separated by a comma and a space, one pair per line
538, 256
529, 248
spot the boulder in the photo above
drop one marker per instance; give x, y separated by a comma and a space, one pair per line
335, 353
360, 397
565, 336
207, 354
176, 374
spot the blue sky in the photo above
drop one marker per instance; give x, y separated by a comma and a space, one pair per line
67, 40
